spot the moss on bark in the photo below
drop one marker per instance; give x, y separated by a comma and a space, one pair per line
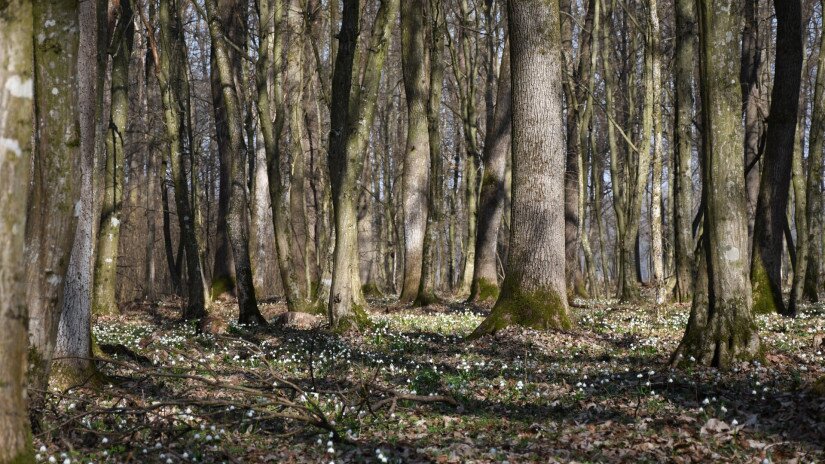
764, 301
358, 320
542, 309
484, 290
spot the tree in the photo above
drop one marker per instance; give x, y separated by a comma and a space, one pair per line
417, 155
769, 226
16, 92
352, 111
485, 284
683, 147
534, 293
74, 338
816, 137
105, 278
237, 220
53, 193
174, 88
721, 329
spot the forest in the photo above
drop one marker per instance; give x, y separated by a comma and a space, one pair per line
412, 231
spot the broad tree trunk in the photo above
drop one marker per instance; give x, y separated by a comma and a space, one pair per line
533, 292
352, 112
766, 262
813, 207
485, 285
417, 154
684, 66
721, 329
16, 131
237, 221
54, 191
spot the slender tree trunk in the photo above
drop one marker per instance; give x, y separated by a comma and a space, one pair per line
53, 192
105, 279
426, 290
721, 329
169, 57
683, 150
813, 207
417, 154
237, 218
74, 338
16, 131
766, 262
533, 292
496, 151
749, 76
656, 251
352, 113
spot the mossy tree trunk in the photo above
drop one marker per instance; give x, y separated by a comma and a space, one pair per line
417, 153
16, 92
485, 285
352, 112
766, 262
237, 222
813, 207
534, 292
684, 66
170, 56
53, 192
104, 298
721, 329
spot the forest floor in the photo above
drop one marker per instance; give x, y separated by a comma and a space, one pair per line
412, 390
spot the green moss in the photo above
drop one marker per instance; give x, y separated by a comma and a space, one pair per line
542, 309
371, 289
763, 300
221, 285
425, 299
486, 290
359, 320
65, 375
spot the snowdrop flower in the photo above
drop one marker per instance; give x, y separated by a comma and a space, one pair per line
734, 422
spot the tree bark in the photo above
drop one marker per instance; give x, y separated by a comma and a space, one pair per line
813, 207
656, 251
721, 329
766, 262
417, 153
237, 221
16, 123
170, 56
485, 285
683, 147
53, 192
352, 113
533, 292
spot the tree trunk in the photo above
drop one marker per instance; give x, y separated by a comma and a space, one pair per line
54, 192
749, 76
74, 338
533, 292
352, 113
766, 262
683, 149
656, 251
104, 298
813, 208
237, 221
721, 329
426, 290
170, 57
485, 284
16, 133
417, 153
